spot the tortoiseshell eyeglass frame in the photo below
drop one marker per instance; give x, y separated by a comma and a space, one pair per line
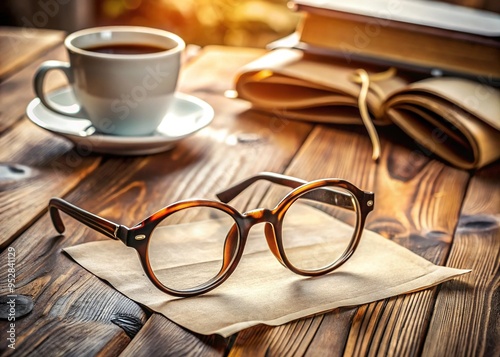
138, 236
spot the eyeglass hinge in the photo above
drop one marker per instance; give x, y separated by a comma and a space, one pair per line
369, 200
121, 233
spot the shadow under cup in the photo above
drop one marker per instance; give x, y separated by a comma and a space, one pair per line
123, 78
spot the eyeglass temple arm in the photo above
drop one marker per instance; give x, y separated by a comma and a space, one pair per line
339, 198
99, 224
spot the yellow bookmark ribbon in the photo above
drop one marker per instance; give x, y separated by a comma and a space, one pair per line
362, 77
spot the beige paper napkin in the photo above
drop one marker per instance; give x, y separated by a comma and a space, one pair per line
261, 291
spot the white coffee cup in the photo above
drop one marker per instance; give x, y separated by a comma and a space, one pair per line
120, 93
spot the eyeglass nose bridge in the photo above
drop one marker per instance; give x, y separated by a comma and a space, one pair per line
264, 215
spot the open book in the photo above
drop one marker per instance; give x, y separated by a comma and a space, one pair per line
457, 119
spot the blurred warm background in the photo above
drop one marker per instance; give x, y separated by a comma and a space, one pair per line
251, 23
232, 22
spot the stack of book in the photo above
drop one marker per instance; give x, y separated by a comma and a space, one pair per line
419, 35
431, 68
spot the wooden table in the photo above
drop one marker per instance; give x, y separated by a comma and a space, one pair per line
450, 217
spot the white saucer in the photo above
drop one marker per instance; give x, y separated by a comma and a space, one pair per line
186, 116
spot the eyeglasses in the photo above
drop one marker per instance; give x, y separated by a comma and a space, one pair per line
190, 247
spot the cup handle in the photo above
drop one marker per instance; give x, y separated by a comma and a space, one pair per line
74, 110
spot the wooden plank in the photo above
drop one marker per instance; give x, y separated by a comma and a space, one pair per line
127, 190
21, 45
34, 165
291, 339
316, 159
332, 334
17, 91
244, 142
74, 312
148, 341
467, 312
417, 205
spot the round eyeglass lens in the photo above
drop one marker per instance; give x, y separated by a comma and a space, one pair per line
192, 246
319, 227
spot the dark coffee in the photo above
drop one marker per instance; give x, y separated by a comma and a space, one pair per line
126, 49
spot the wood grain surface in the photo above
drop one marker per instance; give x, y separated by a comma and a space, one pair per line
34, 164
448, 216
466, 320
17, 90
20, 45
